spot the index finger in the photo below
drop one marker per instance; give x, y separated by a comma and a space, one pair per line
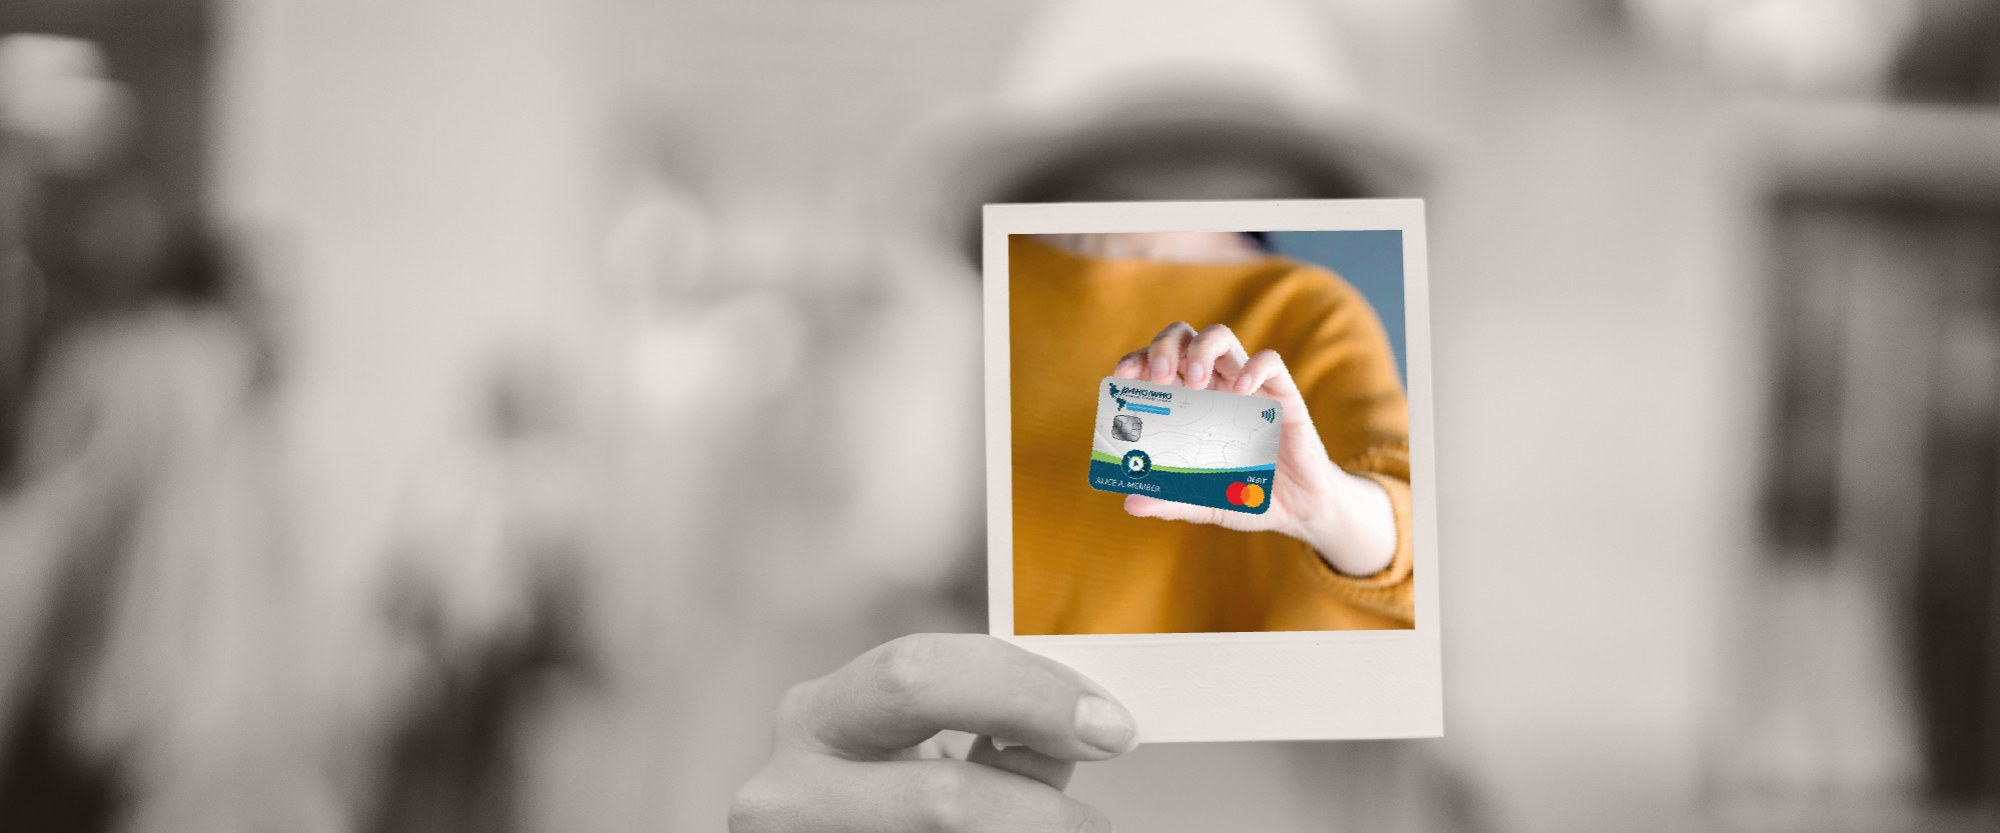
1214, 353
1163, 356
904, 691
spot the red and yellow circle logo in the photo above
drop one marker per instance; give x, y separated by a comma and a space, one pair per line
1245, 494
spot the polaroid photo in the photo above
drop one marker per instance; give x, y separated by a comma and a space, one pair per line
1209, 461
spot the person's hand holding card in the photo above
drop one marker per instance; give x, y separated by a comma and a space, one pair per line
1347, 519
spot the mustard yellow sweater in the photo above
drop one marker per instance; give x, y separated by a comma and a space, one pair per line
1081, 564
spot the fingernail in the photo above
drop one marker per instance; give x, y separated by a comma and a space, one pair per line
1105, 725
1160, 370
1197, 373
1004, 745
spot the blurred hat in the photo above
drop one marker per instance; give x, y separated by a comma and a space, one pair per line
1077, 56
1107, 100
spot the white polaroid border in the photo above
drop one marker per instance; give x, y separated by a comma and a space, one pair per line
1236, 686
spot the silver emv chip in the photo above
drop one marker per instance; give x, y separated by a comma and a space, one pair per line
1126, 427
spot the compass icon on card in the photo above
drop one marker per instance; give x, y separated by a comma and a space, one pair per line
1137, 464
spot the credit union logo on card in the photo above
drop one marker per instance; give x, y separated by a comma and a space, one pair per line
1201, 447
1140, 400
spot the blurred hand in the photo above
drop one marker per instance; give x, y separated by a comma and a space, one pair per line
845, 753
1346, 518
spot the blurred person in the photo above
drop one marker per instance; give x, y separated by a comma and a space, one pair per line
484, 595
65, 130
1332, 553
1202, 102
147, 608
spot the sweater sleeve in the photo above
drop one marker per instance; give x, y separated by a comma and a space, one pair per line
1347, 374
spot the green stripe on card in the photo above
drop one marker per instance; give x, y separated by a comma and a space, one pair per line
1106, 458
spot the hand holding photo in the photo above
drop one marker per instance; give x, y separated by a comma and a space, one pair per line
1270, 571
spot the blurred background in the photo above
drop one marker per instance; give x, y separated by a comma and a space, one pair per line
402, 404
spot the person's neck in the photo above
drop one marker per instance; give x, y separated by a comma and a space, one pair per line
1168, 246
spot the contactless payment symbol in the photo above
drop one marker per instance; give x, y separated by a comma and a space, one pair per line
1137, 464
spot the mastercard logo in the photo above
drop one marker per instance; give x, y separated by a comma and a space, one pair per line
1246, 494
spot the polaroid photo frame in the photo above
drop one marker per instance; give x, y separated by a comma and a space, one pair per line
1278, 685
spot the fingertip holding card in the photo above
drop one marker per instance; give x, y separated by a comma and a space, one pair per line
1200, 599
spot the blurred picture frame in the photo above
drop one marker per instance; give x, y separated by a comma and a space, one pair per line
1234, 686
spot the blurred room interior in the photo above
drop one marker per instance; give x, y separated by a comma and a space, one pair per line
390, 392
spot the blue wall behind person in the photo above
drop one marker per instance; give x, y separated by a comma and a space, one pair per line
1371, 260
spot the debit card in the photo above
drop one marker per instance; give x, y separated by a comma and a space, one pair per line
1202, 447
